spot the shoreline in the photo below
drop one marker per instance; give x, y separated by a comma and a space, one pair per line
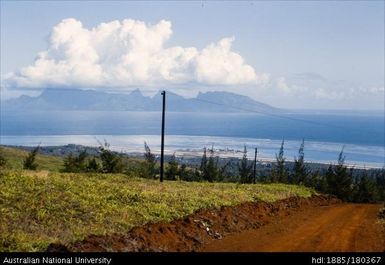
194, 154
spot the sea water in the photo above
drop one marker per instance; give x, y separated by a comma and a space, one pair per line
360, 134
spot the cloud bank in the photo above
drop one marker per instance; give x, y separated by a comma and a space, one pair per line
130, 53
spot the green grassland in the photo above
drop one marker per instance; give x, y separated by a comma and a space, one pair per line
16, 156
38, 208
45, 206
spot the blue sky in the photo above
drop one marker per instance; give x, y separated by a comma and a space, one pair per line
302, 54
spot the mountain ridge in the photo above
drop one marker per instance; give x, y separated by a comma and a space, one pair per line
77, 99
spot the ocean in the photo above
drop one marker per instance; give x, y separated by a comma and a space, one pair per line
325, 134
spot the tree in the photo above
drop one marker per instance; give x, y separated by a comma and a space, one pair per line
339, 179
3, 160
81, 163
331, 180
93, 165
380, 184
183, 173
29, 161
213, 170
299, 171
244, 168
70, 163
197, 176
203, 166
111, 161
209, 169
364, 189
149, 163
279, 173
75, 164
172, 170
316, 180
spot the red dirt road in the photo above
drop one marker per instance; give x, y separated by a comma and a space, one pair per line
319, 223
339, 227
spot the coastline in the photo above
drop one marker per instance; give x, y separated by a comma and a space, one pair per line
225, 147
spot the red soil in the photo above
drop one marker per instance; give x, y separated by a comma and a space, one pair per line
341, 227
318, 223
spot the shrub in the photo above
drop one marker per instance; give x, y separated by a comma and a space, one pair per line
29, 161
111, 161
73, 163
93, 165
339, 179
279, 173
244, 168
148, 166
172, 170
3, 160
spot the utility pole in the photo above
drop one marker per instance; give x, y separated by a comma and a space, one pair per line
162, 137
255, 165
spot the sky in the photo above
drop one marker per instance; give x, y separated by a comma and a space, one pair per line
305, 54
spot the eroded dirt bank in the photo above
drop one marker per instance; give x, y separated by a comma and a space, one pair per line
340, 227
211, 229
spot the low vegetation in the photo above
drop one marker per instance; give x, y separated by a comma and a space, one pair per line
13, 158
38, 208
348, 184
65, 199
29, 162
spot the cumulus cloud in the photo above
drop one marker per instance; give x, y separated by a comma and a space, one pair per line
282, 85
321, 93
130, 53
372, 90
314, 86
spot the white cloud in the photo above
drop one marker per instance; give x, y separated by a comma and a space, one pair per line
130, 53
263, 79
321, 93
372, 90
312, 86
282, 85
217, 64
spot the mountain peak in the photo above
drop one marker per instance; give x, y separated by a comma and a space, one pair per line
76, 99
136, 92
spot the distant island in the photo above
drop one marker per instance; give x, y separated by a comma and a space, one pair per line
76, 99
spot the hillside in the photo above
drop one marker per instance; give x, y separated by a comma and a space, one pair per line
47, 210
42, 208
15, 157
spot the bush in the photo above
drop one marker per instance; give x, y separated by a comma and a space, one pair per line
148, 166
339, 179
279, 172
244, 168
364, 190
3, 161
172, 170
93, 165
111, 161
29, 161
300, 171
75, 164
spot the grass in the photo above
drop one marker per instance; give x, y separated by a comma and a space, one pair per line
38, 208
15, 158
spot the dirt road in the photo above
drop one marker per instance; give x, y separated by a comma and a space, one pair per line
318, 223
340, 227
